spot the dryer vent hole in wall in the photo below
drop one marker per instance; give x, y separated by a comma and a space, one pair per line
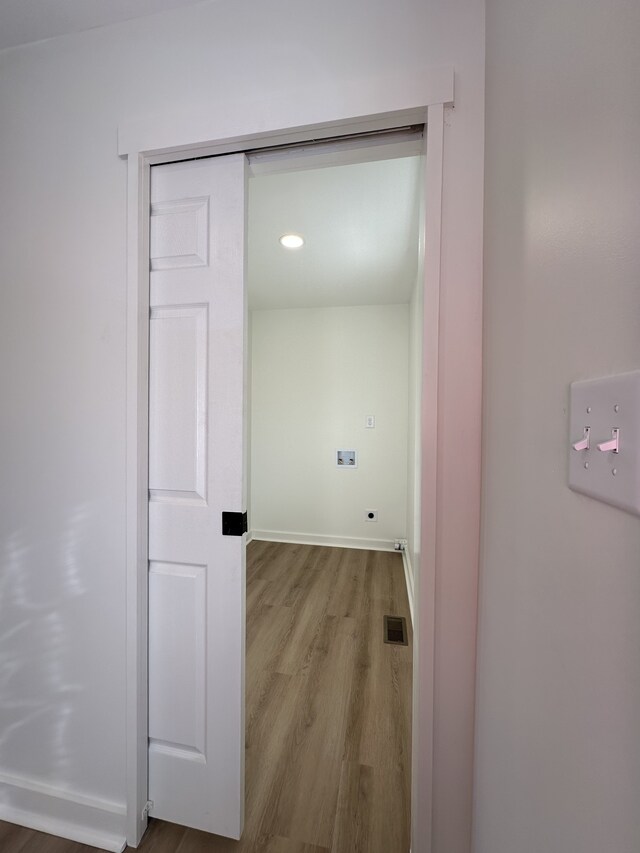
395, 630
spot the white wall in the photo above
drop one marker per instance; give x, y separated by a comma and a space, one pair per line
558, 752
62, 370
316, 375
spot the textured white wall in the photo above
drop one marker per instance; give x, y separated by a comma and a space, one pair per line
316, 374
62, 340
558, 713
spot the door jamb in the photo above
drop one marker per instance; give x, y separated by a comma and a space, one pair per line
389, 104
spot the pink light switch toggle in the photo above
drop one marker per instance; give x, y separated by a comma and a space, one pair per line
583, 444
612, 445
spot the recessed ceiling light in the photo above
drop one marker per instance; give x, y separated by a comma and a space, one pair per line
291, 241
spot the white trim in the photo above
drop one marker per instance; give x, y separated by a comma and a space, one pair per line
408, 577
68, 794
322, 539
63, 812
356, 107
425, 586
62, 829
137, 478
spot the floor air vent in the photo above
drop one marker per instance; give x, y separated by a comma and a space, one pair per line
395, 630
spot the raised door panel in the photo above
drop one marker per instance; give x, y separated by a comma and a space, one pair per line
177, 673
179, 234
178, 403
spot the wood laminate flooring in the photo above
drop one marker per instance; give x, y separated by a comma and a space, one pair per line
328, 712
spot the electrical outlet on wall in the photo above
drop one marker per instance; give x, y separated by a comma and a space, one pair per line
371, 515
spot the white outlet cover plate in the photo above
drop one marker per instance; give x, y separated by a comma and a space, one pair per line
597, 480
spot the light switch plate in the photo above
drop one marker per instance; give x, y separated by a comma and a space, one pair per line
612, 402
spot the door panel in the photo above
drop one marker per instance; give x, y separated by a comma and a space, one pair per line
177, 701
196, 470
178, 402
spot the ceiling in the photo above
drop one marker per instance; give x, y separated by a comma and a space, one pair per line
360, 226
24, 21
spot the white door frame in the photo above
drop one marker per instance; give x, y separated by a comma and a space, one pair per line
375, 105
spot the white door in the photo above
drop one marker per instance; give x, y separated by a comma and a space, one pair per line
196, 472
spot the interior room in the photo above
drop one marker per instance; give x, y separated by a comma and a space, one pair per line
526, 685
335, 335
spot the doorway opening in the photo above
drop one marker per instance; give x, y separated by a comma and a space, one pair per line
335, 340
335, 354
157, 141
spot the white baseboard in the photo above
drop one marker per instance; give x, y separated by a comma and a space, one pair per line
408, 576
322, 539
59, 811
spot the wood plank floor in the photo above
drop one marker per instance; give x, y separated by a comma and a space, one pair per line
328, 712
